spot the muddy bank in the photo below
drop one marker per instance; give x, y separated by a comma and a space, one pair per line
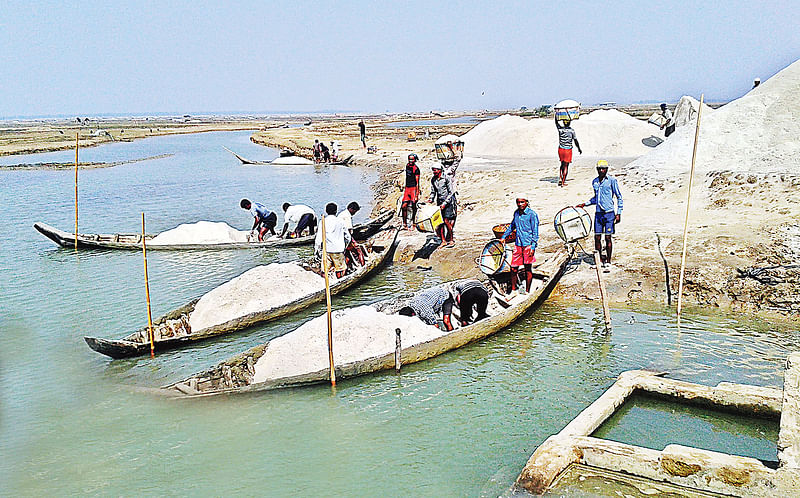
66, 166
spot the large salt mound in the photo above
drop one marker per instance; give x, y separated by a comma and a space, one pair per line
202, 232
756, 133
600, 133
358, 333
686, 111
258, 289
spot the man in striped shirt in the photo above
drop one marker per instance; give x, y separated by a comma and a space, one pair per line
566, 136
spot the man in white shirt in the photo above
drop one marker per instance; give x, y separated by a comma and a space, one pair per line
337, 238
297, 218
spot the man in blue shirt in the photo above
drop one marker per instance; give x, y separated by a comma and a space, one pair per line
264, 219
605, 189
526, 223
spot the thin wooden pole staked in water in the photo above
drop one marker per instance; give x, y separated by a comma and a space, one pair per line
76, 190
147, 293
688, 200
603, 296
324, 235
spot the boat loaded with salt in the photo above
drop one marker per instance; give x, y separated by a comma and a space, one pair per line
222, 237
364, 341
258, 295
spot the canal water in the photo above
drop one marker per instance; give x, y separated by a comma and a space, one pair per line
75, 422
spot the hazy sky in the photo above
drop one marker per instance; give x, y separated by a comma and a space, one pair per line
87, 57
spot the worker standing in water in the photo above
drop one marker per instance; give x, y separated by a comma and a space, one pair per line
264, 220
566, 136
605, 217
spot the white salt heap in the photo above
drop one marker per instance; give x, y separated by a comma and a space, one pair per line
358, 333
756, 133
600, 133
258, 289
202, 232
686, 111
291, 161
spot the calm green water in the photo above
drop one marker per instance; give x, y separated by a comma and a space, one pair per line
461, 424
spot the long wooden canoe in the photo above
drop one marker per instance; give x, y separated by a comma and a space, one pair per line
236, 374
134, 240
172, 330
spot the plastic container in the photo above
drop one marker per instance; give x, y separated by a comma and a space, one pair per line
567, 110
499, 230
431, 218
573, 224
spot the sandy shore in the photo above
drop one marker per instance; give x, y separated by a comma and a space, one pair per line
729, 256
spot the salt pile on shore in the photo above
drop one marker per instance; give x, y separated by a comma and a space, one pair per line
258, 289
756, 133
202, 232
600, 133
358, 333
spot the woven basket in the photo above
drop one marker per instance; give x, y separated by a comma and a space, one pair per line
499, 230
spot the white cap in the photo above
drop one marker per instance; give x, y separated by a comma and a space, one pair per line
522, 196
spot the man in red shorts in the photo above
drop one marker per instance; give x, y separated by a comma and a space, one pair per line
526, 223
566, 136
411, 192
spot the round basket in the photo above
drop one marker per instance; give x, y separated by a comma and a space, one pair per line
499, 230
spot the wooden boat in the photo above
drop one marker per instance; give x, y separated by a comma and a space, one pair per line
134, 240
173, 331
236, 374
344, 162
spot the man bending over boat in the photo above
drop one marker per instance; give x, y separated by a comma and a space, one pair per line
337, 238
471, 294
428, 304
353, 252
526, 223
297, 218
264, 219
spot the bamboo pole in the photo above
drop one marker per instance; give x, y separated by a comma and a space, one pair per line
147, 294
686, 221
603, 295
397, 349
76, 190
328, 300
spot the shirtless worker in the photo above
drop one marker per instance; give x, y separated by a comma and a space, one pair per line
605, 217
411, 192
566, 136
337, 238
296, 218
526, 223
445, 196
264, 219
428, 304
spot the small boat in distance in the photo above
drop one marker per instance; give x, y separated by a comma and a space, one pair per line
173, 330
289, 158
238, 374
131, 241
